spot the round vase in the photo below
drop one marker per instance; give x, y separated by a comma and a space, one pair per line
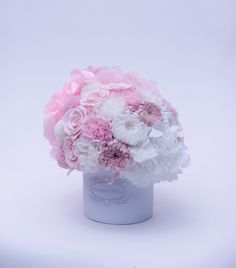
119, 202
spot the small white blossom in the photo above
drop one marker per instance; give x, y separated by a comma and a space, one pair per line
129, 129
87, 154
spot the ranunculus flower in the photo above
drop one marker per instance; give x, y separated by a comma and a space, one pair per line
74, 120
148, 112
69, 151
114, 156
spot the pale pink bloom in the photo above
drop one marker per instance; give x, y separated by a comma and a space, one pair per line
73, 88
55, 112
74, 120
79, 79
54, 107
114, 156
97, 129
106, 75
85, 75
148, 112
139, 82
130, 96
92, 98
71, 158
71, 103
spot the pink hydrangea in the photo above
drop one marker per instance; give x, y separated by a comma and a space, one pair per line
71, 103
58, 153
114, 156
97, 129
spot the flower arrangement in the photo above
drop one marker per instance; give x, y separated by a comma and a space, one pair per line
106, 119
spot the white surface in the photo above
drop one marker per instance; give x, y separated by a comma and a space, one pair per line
189, 47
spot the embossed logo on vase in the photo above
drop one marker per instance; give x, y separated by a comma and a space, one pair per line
107, 194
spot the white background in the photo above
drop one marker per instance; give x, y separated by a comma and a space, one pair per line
189, 47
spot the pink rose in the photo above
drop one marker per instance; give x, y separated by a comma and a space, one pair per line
74, 120
93, 97
71, 158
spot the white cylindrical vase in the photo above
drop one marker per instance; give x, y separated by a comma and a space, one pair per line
118, 203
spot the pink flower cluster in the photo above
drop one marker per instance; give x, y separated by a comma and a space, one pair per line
84, 119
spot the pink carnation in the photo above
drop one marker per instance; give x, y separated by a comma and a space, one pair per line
114, 156
98, 129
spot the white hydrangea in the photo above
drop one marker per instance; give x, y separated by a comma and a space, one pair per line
129, 129
59, 131
161, 159
150, 96
111, 108
87, 154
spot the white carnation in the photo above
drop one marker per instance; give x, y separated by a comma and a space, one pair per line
111, 108
129, 129
87, 155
